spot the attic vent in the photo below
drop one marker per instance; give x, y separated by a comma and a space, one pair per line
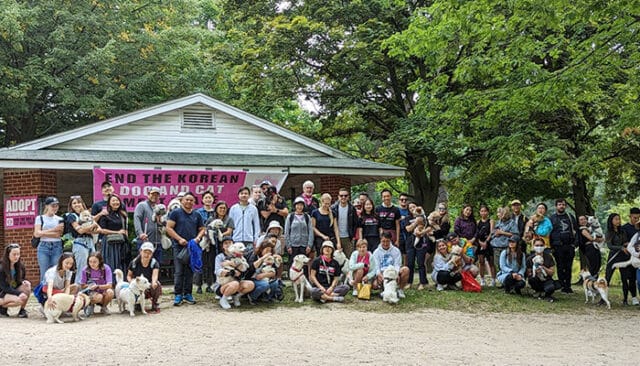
198, 120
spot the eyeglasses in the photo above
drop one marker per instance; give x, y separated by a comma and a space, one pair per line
442, 208
402, 199
343, 195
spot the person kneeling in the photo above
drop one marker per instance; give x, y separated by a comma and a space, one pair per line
325, 274
387, 255
97, 276
229, 279
512, 267
144, 264
446, 268
540, 270
14, 289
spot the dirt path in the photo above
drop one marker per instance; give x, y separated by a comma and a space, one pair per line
332, 334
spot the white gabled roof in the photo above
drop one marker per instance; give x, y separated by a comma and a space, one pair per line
100, 126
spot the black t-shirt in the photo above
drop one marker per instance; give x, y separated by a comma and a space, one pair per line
388, 216
263, 205
369, 225
547, 262
137, 269
326, 271
484, 228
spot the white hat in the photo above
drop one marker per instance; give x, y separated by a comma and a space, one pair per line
273, 224
147, 246
327, 243
298, 200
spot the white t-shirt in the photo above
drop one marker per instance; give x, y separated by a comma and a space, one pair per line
52, 275
343, 221
49, 222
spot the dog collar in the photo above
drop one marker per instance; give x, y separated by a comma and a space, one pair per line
74, 302
297, 271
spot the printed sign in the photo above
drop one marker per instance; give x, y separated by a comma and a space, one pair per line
132, 186
20, 212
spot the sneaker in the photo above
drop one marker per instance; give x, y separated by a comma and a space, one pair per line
217, 297
224, 303
88, 311
154, 309
209, 290
236, 300
550, 299
188, 298
407, 286
492, 283
420, 287
482, 282
401, 294
625, 303
177, 301
23, 313
199, 290
338, 298
355, 293
634, 301
3, 311
105, 310
440, 287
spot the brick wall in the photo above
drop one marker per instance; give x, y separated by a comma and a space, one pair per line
331, 184
25, 182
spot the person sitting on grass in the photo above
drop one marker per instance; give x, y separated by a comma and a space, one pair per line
149, 267
363, 265
97, 276
445, 272
324, 275
236, 287
14, 289
512, 267
541, 279
389, 255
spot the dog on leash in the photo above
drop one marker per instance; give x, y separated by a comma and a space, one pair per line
297, 277
633, 261
390, 292
62, 302
129, 294
593, 286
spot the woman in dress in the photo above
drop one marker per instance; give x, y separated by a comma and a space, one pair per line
113, 227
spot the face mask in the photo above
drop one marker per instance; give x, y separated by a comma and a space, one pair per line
538, 249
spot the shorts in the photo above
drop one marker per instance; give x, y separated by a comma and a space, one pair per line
487, 252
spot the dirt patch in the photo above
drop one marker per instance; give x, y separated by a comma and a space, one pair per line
329, 334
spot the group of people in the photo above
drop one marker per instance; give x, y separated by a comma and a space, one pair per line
371, 237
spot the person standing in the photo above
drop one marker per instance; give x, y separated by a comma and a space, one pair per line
115, 242
389, 216
347, 220
563, 243
145, 223
617, 242
310, 202
247, 221
520, 220
184, 224
49, 227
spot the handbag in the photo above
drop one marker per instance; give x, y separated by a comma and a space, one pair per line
183, 256
469, 283
364, 291
114, 238
36, 241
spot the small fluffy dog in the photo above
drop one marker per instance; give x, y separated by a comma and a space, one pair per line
455, 256
297, 277
390, 292
214, 232
593, 286
236, 251
595, 230
269, 264
160, 217
633, 261
74, 304
343, 262
538, 261
128, 294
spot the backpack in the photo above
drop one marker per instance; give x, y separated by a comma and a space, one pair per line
134, 263
67, 236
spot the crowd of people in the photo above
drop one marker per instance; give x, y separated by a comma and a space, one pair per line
510, 251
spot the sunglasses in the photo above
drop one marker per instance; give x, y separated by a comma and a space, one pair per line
343, 195
402, 199
14, 246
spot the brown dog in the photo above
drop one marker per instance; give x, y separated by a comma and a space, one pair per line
593, 286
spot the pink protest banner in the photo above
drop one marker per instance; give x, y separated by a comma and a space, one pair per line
20, 212
132, 186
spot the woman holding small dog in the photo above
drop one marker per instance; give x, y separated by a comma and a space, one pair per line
14, 289
237, 287
541, 278
324, 276
113, 227
588, 246
445, 271
97, 276
83, 244
262, 273
512, 267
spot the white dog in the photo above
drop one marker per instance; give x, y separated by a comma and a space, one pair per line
390, 293
343, 262
65, 302
593, 286
297, 277
128, 294
595, 230
538, 261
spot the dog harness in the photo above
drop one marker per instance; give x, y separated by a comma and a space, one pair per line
301, 273
135, 296
74, 302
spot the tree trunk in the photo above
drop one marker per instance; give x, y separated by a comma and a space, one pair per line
581, 197
424, 179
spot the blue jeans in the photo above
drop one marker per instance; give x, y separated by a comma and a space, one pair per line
49, 253
261, 286
182, 274
82, 247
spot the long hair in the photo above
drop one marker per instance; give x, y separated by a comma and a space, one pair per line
373, 209
215, 210
6, 265
326, 196
518, 255
610, 227
62, 258
78, 199
100, 259
120, 210
471, 218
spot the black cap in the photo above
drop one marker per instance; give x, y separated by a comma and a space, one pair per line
514, 238
451, 236
634, 211
51, 201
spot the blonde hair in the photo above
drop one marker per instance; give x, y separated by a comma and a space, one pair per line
324, 197
362, 242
